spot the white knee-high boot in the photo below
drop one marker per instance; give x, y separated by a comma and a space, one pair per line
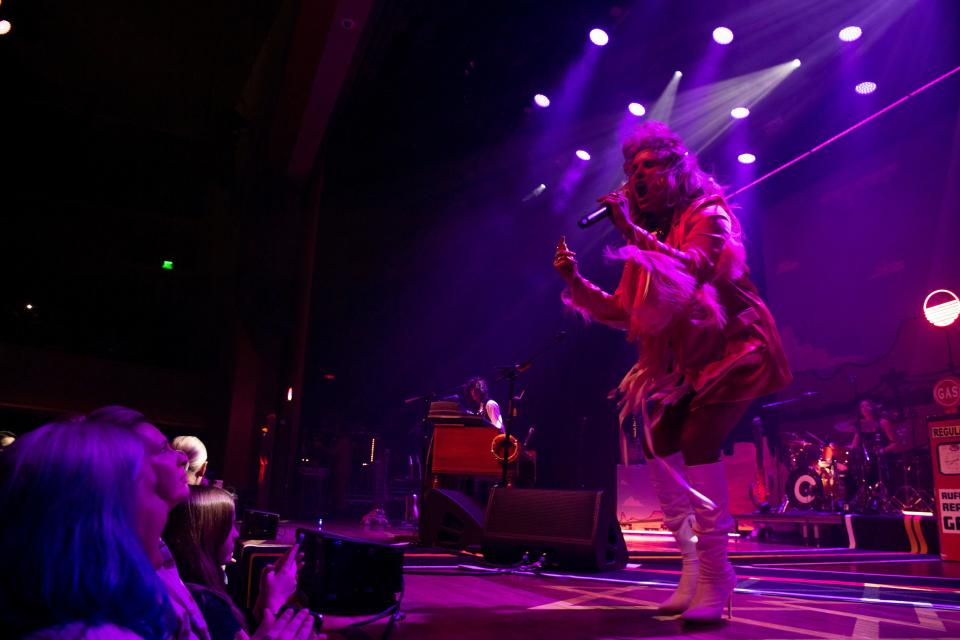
678, 518
717, 578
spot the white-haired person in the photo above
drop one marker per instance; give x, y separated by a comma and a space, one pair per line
167, 487
196, 453
73, 563
7, 438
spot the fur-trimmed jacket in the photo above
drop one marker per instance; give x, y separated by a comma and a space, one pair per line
696, 316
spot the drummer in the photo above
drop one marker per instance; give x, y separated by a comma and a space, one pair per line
878, 432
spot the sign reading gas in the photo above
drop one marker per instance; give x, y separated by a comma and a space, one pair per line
946, 392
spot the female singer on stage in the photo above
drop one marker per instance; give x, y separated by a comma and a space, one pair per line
707, 343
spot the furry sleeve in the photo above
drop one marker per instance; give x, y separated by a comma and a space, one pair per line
666, 292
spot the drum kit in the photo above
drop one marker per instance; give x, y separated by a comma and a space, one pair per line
825, 476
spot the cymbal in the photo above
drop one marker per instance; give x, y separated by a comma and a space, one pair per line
846, 426
850, 426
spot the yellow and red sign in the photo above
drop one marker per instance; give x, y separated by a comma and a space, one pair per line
945, 451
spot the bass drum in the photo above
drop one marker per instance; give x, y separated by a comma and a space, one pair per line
804, 488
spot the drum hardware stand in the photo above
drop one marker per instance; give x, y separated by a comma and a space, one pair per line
911, 496
913, 499
869, 497
413, 501
784, 504
831, 477
779, 455
872, 498
415, 497
762, 506
780, 462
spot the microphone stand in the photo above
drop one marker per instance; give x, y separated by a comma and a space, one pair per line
424, 436
426, 399
510, 373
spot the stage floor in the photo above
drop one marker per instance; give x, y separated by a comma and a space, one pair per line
783, 591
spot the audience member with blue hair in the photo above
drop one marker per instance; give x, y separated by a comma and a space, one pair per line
73, 562
167, 489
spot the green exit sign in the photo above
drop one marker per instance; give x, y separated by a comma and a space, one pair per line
168, 265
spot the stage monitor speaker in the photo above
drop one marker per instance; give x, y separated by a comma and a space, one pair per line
573, 529
450, 519
345, 576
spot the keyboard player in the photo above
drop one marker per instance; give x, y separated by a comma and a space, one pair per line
476, 400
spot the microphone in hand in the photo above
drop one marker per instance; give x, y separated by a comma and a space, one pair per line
616, 198
594, 216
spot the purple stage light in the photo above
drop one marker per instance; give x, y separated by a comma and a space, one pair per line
850, 129
746, 158
722, 35
599, 37
865, 88
636, 109
583, 155
541, 101
739, 113
849, 34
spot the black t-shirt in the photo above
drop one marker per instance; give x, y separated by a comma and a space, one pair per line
217, 613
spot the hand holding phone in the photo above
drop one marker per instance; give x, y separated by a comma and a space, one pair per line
279, 581
290, 625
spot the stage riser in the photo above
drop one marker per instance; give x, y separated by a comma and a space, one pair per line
915, 534
912, 534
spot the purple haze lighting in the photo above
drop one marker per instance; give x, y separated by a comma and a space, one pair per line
636, 109
739, 113
849, 34
541, 101
599, 37
722, 35
583, 155
856, 126
746, 158
865, 87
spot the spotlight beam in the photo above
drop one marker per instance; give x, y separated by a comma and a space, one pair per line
662, 109
703, 113
846, 131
